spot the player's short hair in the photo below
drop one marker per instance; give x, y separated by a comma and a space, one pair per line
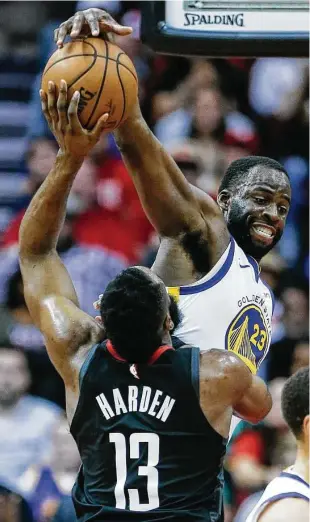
133, 313
295, 400
240, 168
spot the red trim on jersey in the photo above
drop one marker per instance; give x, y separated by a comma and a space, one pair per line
155, 356
159, 352
114, 353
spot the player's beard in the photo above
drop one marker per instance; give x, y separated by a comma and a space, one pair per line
239, 223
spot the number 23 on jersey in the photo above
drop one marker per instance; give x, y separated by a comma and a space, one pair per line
248, 336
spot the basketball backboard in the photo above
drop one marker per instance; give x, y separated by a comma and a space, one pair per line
227, 27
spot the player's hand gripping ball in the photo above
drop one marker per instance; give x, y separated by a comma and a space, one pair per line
90, 22
102, 73
62, 117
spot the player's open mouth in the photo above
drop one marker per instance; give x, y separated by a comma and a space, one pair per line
263, 232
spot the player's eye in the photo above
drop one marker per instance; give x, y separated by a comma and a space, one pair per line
260, 200
283, 211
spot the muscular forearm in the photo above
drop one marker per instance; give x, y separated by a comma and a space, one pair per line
256, 402
164, 192
45, 215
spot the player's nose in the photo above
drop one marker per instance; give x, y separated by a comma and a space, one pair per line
271, 212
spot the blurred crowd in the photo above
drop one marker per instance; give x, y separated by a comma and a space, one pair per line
206, 113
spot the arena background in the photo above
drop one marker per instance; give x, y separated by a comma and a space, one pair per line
207, 113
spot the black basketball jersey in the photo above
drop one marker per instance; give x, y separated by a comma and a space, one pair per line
147, 450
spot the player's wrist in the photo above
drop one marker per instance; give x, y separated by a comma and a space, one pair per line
133, 118
70, 161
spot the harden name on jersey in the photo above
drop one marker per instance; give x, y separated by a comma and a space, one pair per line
149, 401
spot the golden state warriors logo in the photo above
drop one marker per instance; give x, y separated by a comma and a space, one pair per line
248, 336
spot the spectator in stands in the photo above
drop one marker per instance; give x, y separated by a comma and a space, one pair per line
17, 328
297, 227
103, 206
116, 221
214, 121
202, 74
300, 356
40, 158
272, 268
88, 266
46, 484
205, 119
277, 91
287, 356
26, 422
296, 312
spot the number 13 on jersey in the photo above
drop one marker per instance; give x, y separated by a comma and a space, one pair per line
149, 471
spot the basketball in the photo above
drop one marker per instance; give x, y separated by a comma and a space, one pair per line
102, 73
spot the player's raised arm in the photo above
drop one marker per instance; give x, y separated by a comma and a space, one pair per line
49, 292
173, 206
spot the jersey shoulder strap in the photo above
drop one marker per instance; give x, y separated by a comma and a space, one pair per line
87, 363
286, 485
188, 361
212, 278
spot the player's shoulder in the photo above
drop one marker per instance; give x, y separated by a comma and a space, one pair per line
286, 483
226, 360
285, 509
224, 367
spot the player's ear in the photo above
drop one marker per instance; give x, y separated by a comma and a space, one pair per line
306, 428
168, 324
98, 318
223, 199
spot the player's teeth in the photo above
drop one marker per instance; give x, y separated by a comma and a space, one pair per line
265, 231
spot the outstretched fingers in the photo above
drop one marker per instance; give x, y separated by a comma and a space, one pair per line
73, 118
51, 103
100, 126
62, 106
109, 25
43, 97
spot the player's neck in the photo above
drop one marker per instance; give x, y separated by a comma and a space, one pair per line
301, 466
166, 340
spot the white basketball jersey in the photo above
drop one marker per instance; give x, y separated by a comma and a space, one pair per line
287, 485
230, 308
